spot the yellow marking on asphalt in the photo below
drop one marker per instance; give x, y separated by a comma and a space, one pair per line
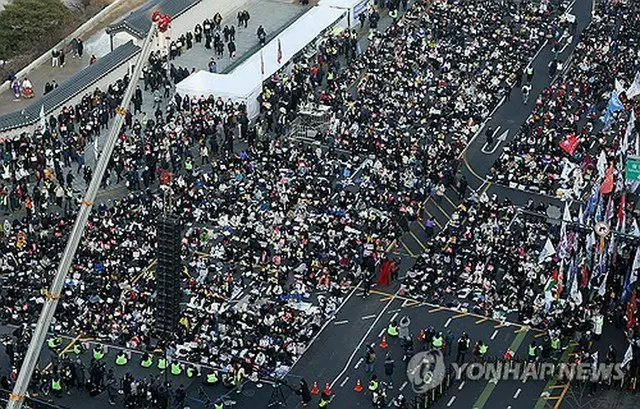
145, 271
489, 184
473, 172
406, 248
551, 397
542, 334
502, 326
186, 272
418, 240
436, 309
557, 386
523, 329
442, 210
411, 303
462, 314
385, 299
480, 321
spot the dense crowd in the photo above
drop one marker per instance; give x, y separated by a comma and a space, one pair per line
268, 220
570, 111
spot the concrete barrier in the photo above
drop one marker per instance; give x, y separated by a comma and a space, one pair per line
80, 31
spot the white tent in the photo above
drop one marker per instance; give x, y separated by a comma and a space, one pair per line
245, 82
353, 7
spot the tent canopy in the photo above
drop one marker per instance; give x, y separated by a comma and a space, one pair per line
245, 82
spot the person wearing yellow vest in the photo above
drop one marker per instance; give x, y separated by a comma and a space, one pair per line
191, 371
146, 361
481, 349
238, 378
54, 342
556, 345
162, 363
598, 323
392, 330
176, 369
393, 14
218, 404
373, 383
212, 378
532, 351
77, 349
438, 341
56, 386
98, 354
324, 401
121, 359
188, 165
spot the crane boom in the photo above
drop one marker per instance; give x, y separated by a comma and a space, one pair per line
16, 398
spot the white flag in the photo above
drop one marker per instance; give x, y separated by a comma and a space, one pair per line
603, 285
581, 215
633, 276
629, 131
576, 295
602, 164
628, 356
634, 89
619, 87
635, 230
43, 120
546, 252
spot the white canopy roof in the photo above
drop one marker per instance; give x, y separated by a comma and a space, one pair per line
245, 82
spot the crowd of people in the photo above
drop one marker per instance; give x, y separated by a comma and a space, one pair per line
557, 148
269, 220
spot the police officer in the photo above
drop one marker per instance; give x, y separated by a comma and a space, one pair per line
324, 401
438, 341
191, 371
146, 361
212, 378
373, 383
176, 369
218, 404
56, 386
162, 363
556, 346
532, 351
54, 342
98, 354
482, 349
121, 359
392, 330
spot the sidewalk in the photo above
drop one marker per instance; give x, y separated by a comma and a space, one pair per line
45, 73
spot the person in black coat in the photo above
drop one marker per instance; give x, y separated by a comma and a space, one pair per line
304, 392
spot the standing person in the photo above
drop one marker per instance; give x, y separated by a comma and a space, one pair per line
55, 55
462, 187
389, 366
463, 347
247, 17
369, 359
232, 49
61, 57
529, 73
362, 17
262, 35
526, 90
303, 392
79, 48
448, 342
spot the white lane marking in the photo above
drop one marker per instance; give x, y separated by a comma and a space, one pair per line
360, 361
446, 324
368, 317
357, 350
344, 382
341, 322
396, 310
493, 336
404, 385
381, 332
394, 317
515, 396
461, 386
453, 399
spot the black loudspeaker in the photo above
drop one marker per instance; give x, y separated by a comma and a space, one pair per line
168, 270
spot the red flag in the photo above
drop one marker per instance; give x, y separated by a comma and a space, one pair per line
585, 276
570, 144
279, 57
621, 212
607, 183
632, 310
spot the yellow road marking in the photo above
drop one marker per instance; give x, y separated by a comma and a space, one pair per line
418, 240
462, 314
385, 299
482, 320
502, 326
473, 172
64, 351
556, 387
542, 334
523, 329
436, 309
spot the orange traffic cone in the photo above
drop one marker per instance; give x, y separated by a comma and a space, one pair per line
421, 336
315, 390
383, 343
358, 387
327, 389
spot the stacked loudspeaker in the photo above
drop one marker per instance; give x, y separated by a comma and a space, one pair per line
168, 269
